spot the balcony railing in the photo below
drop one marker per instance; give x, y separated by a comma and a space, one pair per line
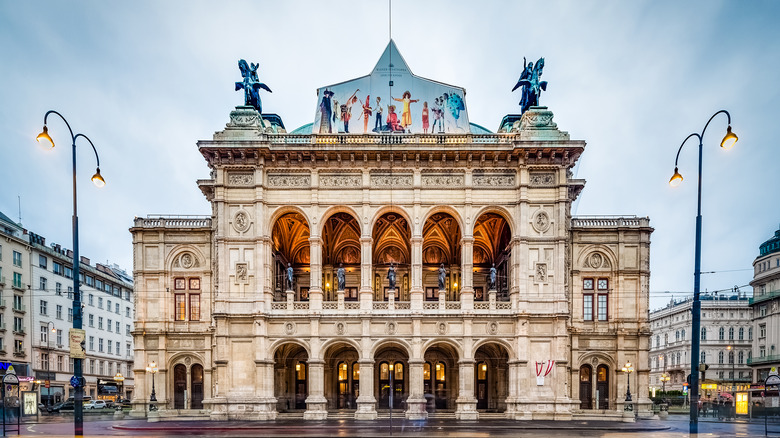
609, 222
765, 359
19, 285
173, 222
413, 139
764, 297
21, 308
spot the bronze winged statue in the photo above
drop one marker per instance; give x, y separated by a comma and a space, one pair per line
251, 84
531, 83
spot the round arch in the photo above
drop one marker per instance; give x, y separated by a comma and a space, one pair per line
507, 346
587, 359
441, 209
178, 358
391, 209
397, 342
338, 209
181, 249
281, 211
457, 347
274, 347
327, 345
586, 252
501, 211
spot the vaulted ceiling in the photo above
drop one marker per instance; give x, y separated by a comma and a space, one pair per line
291, 238
491, 238
392, 240
341, 240
441, 240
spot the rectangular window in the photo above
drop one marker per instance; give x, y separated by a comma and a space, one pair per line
180, 307
117, 326
127, 329
58, 268
762, 311
110, 325
70, 314
59, 363
17, 280
100, 303
92, 366
602, 307
44, 334
18, 325
91, 343
58, 288
43, 261
91, 318
100, 323
100, 345
127, 312
98, 284
106, 287
17, 259
59, 337
116, 308
19, 346
59, 311
42, 283
194, 307
110, 347
762, 331
68, 272
45, 361
44, 307
18, 303
90, 281
70, 293
91, 300
587, 307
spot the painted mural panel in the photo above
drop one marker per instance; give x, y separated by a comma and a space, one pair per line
391, 100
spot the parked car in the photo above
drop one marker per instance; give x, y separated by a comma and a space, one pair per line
125, 403
95, 404
61, 406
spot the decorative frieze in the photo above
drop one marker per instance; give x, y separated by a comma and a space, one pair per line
341, 181
391, 180
542, 179
490, 181
288, 181
240, 179
443, 180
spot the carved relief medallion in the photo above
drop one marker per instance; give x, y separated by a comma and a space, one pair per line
241, 221
541, 221
441, 328
391, 328
289, 328
187, 361
492, 328
242, 275
540, 273
340, 328
187, 260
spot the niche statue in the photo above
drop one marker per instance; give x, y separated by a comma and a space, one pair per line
391, 277
289, 277
492, 277
442, 274
341, 276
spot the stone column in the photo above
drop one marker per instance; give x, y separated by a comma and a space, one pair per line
267, 402
315, 277
416, 291
467, 273
366, 278
415, 403
316, 403
467, 403
366, 403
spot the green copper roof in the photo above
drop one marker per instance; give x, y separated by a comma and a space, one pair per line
771, 245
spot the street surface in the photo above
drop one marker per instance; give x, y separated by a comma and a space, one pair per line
674, 426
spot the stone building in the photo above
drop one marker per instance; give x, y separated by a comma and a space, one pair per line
14, 297
417, 216
726, 337
766, 309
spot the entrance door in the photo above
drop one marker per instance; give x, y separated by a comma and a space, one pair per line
300, 385
343, 389
196, 373
179, 386
384, 385
398, 384
602, 386
482, 386
441, 385
586, 387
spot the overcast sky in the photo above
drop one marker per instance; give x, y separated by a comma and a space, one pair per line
145, 80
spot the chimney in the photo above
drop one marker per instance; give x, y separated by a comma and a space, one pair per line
84, 260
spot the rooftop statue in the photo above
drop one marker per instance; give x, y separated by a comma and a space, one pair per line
532, 86
250, 85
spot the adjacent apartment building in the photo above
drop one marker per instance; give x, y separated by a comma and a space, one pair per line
726, 336
766, 309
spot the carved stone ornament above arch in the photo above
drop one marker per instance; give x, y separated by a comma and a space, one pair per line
186, 260
596, 260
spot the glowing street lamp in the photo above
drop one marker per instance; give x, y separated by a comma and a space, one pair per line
628, 369
152, 369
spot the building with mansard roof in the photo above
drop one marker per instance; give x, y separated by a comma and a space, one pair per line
391, 255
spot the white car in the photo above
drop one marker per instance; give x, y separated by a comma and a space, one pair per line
95, 404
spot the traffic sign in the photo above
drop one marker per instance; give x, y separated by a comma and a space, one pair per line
772, 380
74, 381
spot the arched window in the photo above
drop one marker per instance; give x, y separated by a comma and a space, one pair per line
683, 334
677, 336
721, 334
720, 357
731, 333
741, 333
741, 357
731, 357
678, 358
657, 340
703, 357
704, 333
750, 333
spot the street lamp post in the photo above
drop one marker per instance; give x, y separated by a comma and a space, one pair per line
152, 369
728, 141
628, 369
78, 408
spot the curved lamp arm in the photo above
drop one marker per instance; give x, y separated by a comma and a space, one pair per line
44, 135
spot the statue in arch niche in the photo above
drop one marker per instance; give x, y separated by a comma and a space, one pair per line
341, 275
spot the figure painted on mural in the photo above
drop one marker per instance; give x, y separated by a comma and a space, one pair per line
366, 114
251, 85
325, 113
442, 275
392, 120
391, 276
378, 109
289, 276
425, 117
341, 276
531, 83
346, 110
438, 115
455, 105
406, 115
493, 277
336, 113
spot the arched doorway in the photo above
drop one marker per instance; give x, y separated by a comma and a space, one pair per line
441, 246
392, 246
179, 385
341, 246
491, 248
342, 376
197, 386
440, 377
291, 373
392, 372
602, 386
586, 387
290, 236
491, 374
